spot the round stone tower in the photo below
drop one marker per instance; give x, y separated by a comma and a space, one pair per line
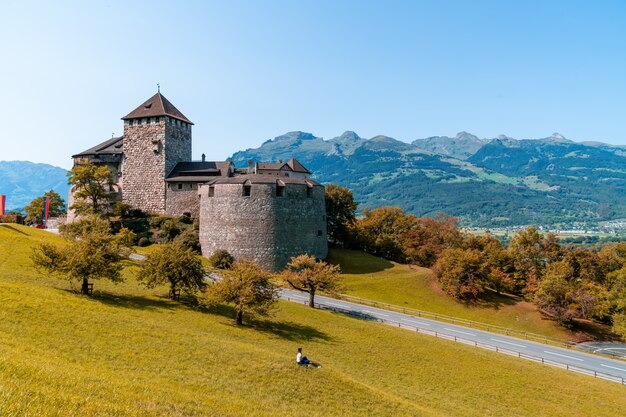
263, 219
156, 137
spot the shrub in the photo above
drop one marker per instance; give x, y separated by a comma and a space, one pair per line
190, 239
122, 210
221, 259
169, 230
143, 242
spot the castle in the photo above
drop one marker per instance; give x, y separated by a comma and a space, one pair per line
266, 212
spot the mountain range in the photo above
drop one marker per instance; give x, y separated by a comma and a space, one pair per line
23, 181
495, 182
502, 181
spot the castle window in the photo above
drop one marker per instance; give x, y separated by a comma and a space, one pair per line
319, 233
280, 191
309, 192
211, 191
246, 190
130, 122
179, 186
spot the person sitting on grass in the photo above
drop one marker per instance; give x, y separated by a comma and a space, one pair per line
304, 361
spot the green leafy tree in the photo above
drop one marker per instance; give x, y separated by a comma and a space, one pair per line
554, 295
531, 252
93, 186
305, 273
245, 285
90, 252
173, 264
381, 230
463, 273
34, 210
340, 214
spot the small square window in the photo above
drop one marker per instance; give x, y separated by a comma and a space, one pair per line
211, 191
247, 190
309, 192
280, 191
179, 186
319, 233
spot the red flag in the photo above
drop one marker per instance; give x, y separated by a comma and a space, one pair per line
46, 209
3, 200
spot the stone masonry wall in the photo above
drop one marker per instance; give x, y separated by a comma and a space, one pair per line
150, 153
262, 227
182, 201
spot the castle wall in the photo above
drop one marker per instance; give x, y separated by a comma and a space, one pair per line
182, 201
263, 227
151, 150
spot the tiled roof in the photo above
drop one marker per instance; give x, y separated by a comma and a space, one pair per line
273, 166
297, 166
157, 105
113, 146
262, 179
199, 171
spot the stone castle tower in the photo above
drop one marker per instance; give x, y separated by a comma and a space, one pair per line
156, 137
267, 212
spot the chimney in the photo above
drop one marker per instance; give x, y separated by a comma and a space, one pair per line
280, 161
251, 166
203, 158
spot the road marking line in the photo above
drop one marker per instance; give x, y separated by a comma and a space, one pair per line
458, 331
565, 356
613, 367
508, 343
415, 322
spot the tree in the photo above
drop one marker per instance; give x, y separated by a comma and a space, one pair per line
91, 252
92, 185
554, 293
34, 209
463, 273
381, 230
340, 214
245, 285
430, 237
531, 252
305, 273
173, 264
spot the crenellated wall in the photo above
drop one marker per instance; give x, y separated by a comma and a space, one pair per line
263, 227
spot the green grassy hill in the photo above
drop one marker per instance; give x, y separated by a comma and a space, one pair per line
129, 352
373, 278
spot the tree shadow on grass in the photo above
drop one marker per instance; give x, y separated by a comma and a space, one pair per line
283, 329
6, 226
132, 301
492, 300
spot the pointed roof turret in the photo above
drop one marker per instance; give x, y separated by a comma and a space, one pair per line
155, 106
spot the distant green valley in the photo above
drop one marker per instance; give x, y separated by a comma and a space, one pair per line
498, 182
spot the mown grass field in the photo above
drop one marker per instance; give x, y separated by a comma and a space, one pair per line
374, 278
127, 351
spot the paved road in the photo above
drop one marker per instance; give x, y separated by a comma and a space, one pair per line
570, 359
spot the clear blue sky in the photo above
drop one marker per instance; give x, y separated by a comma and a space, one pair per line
248, 71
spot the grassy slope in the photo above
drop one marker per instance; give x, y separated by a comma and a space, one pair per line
374, 278
127, 351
